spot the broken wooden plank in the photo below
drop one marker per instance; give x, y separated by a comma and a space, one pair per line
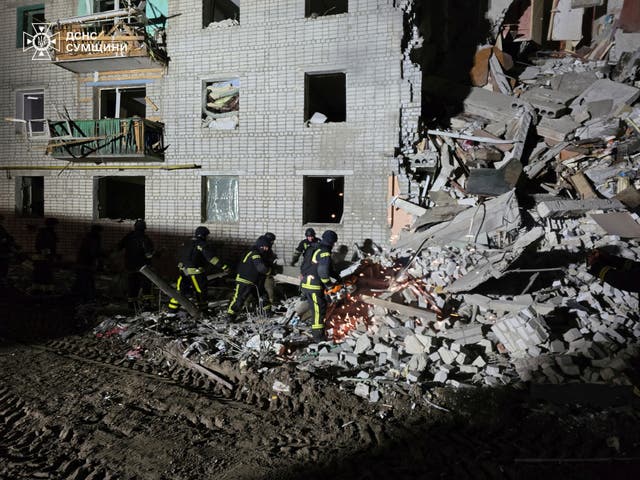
582, 186
399, 307
630, 197
198, 368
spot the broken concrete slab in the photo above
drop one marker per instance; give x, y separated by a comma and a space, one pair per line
621, 224
498, 214
573, 208
557, 129
490, 105
605, 89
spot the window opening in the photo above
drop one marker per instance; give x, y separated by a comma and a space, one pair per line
221, 104
30, 196
325, 97
323, 199
25, 18
30, 107
214, 11
320, 8
120, 197
123, 103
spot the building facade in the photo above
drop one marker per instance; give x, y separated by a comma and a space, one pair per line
245, 116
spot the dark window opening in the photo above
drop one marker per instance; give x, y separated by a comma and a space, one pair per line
219, 10
30, 196
325, 93
323, 199
123, 103
120, 197
26, 17
104, 5
320, 8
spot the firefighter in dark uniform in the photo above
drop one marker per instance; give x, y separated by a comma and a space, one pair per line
621, 273
316, 272
88, 262
267, 283
310, 240
46, 253
194, 258
138, 251
251, 269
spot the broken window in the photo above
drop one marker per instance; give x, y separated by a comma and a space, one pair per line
220, 199
105, 5
323, 199
25, 18
218, 10
30, 107
319, 8
30, 196
120, 197
220, 104
325, 97
122, 103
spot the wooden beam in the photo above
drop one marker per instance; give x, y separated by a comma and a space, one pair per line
399, 307
198, 368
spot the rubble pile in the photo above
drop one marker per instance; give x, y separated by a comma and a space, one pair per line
487, 282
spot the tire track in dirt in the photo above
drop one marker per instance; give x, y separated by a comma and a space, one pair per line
31, 448
206, 414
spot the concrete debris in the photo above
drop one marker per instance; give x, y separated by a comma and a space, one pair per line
489, 285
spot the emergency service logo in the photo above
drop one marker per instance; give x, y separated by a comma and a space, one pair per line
42, 42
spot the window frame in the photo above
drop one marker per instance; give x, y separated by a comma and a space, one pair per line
21, 28
209, 6
309, 14
305, 200
204, 213
20, 197
231, 79
307, 86
21, 97
97, 210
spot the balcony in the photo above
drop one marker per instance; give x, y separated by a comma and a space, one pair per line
109, 139
110, 41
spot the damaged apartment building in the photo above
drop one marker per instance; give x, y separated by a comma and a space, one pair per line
235, 114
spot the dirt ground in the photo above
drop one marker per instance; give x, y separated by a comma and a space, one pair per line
73, 406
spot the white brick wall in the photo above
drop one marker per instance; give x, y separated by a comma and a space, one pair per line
270, 51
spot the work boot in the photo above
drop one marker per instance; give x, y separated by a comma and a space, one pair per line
318, 335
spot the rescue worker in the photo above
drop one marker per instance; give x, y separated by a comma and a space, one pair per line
88, 262
7, 247
316, 272
268, 284
194, 256
250, 271
138, 251
310, 240
618, 272
46, 247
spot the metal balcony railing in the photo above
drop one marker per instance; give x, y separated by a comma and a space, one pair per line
113, 139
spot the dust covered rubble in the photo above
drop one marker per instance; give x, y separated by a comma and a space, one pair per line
540, 167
